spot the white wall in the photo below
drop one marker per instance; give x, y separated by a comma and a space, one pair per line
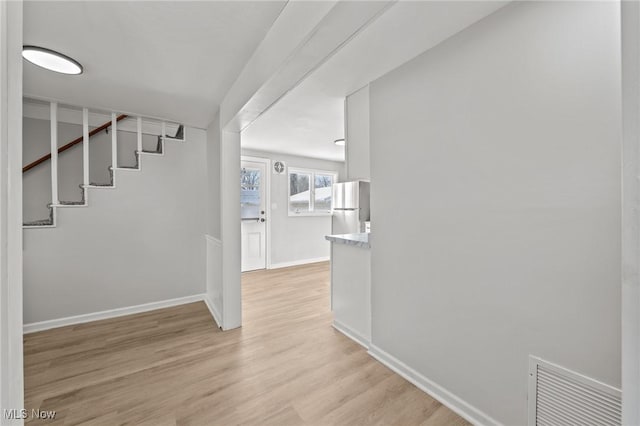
351, 291
630, 215
141, 242
502, 144
11, 371
214, 288
295, 239
357, 154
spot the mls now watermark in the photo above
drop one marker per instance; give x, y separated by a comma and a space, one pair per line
17, 414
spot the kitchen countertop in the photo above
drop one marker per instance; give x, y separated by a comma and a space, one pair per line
358, 240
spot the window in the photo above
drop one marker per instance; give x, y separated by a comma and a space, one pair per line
299, 192
310, 192
322, 190
250, 193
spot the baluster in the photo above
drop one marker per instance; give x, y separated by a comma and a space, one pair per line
114, 142
54, 153
85, 146
139, 137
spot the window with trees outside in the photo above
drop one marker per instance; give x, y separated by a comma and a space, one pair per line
310, 192
250, 193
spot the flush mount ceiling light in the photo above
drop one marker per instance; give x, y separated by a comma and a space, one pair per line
51, 60
339, 142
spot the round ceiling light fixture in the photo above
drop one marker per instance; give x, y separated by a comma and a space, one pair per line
339, 142
51, 60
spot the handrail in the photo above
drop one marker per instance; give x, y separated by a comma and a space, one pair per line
71, 144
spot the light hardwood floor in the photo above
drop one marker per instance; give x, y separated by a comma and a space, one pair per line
285, 366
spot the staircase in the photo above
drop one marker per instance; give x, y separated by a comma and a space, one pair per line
144, 127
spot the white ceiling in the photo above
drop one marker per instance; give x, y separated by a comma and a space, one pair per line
310, 117
305, 122
169, 59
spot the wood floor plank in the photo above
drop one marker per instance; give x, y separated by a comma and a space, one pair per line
285, 366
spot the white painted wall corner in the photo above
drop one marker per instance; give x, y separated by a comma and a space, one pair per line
214, 312
453, 402
214, 288
351, 334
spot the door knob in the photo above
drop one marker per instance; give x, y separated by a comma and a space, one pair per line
262, 220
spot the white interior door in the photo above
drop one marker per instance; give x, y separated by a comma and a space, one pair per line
253, 187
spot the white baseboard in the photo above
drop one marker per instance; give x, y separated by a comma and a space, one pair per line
453, 402
111, 313
214, 312
351, 334
297, 262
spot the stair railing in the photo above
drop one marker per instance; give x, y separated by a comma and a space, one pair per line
74, 142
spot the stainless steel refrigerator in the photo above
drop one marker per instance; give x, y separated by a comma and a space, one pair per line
350, 207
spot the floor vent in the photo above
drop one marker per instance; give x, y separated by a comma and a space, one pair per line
561, 397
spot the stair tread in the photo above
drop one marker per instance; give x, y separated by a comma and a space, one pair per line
169, 138
50, 221
71, 203
43, 222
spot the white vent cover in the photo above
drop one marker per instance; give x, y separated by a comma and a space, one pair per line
561, 397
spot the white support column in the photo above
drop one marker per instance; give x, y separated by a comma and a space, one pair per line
54, 152
230, 229
114, 142
85, 146
139, 136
